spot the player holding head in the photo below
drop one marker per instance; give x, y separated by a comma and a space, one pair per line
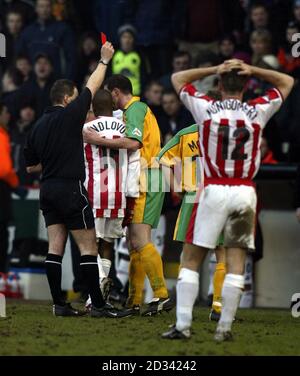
142, 135
230, 135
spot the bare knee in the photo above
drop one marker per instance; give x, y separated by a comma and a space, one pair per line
192, 256
220, 254
139, 236
86, 241
235, 260
57, 236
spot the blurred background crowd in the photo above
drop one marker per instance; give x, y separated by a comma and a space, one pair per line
48, 39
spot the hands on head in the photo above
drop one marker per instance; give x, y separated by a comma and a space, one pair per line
229, 65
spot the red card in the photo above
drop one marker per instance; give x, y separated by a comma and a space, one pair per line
103, 38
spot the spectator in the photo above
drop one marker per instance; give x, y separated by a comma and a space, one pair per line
289, 63
8, 181
226, 47
37, 89
64, 10
181, 61
25, 7
153, 96
14, 23
257, 87
18, 137
261, 44
11, 82
175, 116
54, 38
157, 23
206, 59
23, 64
259, 16
127, 61
288, 118
206, 20
108, 16
88, 51
296, 11
266, 153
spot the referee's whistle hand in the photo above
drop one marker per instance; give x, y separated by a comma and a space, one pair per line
107, 52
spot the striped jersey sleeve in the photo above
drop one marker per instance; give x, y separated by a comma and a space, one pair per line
195, 102
267, 105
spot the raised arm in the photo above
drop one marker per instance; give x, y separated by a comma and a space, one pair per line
182, 78
97, 77
281, 81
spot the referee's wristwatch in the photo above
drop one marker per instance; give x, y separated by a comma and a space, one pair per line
103, 62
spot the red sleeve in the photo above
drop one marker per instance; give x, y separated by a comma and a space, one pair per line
270, 95
192, 91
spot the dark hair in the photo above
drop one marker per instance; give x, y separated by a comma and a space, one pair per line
232, 82
118, 81
293, 25
180, 54
15, 75
229, 37
15, 10
61, 88
102, 103
170, 92
258, 4
205, 57
83, 37
22, 56
2, 106
152, 83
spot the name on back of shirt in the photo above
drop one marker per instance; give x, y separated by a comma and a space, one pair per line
101, 126
233, 105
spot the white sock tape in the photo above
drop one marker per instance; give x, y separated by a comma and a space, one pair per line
188, 275
235, 280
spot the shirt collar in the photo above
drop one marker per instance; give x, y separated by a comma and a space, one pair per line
132, 100
53, 108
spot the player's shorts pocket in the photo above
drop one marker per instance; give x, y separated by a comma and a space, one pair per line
75, 200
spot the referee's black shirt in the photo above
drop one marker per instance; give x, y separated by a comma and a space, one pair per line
56, 140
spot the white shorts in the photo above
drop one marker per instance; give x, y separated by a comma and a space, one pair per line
227, 209
109, 229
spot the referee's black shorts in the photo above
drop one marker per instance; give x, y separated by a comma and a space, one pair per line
65, 201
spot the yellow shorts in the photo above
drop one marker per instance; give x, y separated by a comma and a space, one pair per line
148, 206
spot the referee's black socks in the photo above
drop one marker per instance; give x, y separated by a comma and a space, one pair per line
90, 273
53, 271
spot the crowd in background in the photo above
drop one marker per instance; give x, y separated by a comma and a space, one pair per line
47, 40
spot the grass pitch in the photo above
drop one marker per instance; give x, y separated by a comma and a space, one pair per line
30, 329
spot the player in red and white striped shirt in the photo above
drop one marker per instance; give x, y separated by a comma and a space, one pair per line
230, 136
111, 177
109, 171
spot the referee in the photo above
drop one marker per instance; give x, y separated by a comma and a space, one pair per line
55, 147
